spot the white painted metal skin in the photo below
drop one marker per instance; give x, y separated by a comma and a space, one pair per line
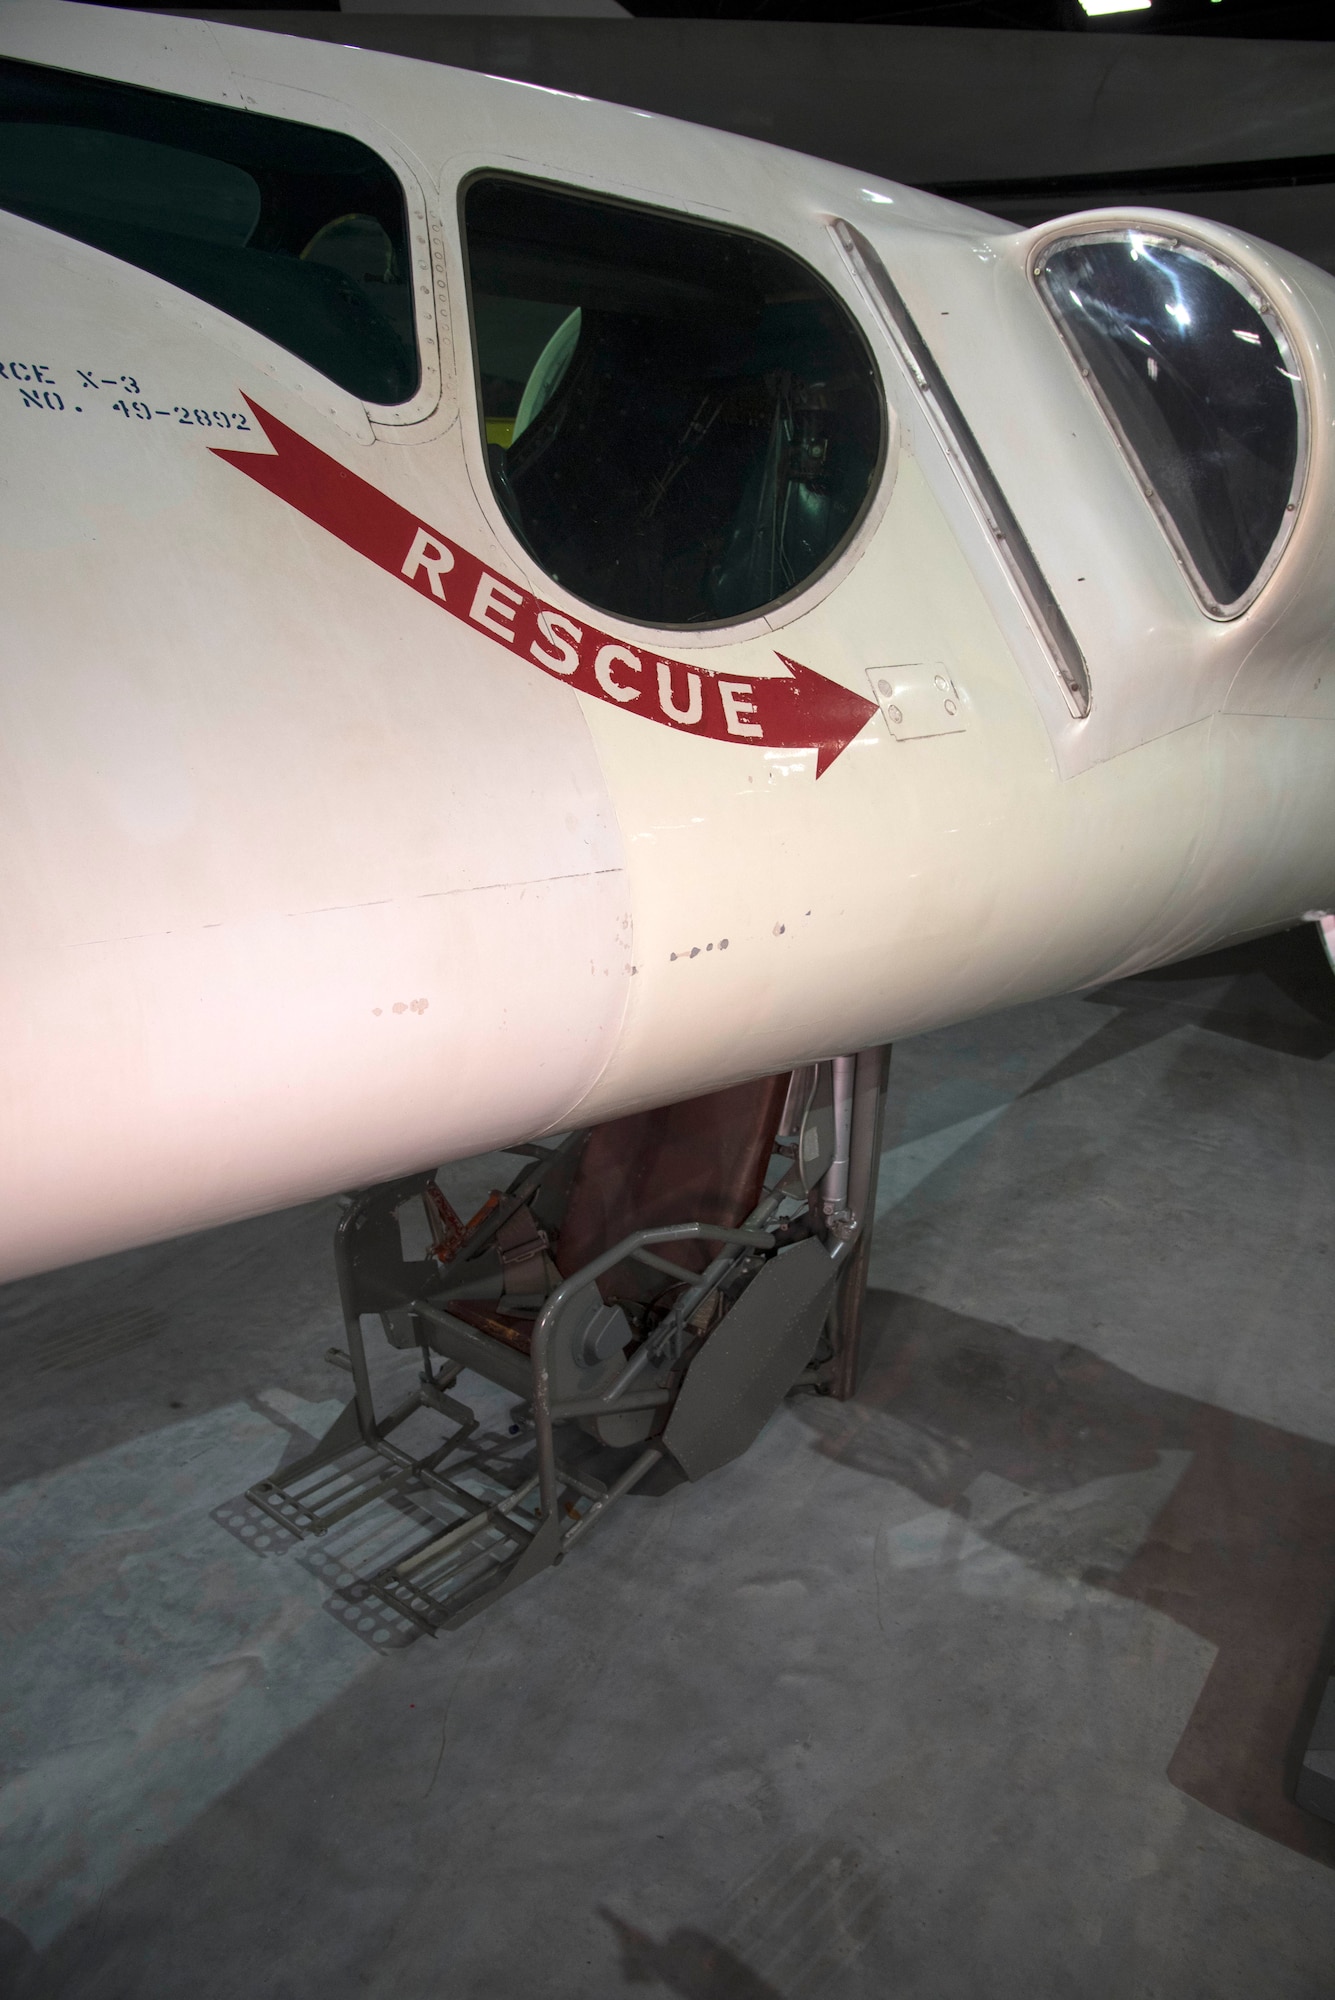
305, 885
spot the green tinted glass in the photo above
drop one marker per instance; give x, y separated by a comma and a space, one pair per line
683, 423
300, 232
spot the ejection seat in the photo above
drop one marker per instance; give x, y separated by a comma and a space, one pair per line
622, 1362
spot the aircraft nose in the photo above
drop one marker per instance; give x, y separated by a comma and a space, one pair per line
359, 905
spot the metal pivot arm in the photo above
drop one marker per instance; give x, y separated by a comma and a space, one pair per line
545, 1325
852, 1253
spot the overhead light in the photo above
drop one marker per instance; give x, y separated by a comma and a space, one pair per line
1114, 6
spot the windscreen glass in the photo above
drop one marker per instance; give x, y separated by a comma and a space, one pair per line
683, 424
1197, 377
299, 232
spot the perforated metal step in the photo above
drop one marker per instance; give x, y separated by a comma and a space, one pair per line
406, 1545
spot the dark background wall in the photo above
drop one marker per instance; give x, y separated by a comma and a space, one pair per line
1027, 124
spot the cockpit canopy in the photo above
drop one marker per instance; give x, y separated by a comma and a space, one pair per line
1198, 379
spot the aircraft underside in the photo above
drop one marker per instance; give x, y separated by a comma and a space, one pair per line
531, 623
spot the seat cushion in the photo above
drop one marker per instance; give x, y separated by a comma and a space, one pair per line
701, 1161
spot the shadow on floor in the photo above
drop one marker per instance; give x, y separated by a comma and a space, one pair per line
17, 1960
1007, 1432
1275, 993
688, 1963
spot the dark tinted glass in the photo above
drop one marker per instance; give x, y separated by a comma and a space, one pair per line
299, 232
683, 424
1199, 386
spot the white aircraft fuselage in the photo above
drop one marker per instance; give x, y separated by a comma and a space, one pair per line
341, 836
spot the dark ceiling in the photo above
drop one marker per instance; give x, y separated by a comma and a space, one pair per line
1269, 20
1302, 20
1026, 124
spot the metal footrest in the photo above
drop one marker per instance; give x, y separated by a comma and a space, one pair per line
310, 1500
407, 1545
378, 1589
441, 1575
1316, 1777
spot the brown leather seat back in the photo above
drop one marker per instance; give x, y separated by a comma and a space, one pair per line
701, 1161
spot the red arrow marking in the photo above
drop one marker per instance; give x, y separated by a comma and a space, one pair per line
796, 710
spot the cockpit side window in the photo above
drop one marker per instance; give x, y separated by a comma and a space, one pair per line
683, 423
1197, 376
299, 232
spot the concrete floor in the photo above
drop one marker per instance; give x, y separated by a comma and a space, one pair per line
984, 1684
